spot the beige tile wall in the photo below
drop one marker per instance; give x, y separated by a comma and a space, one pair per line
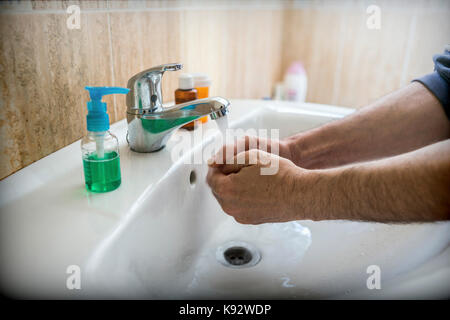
244, 45
350, 65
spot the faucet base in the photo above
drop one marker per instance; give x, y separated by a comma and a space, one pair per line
141, 139
147, 151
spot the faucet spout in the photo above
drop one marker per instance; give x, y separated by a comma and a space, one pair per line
215, 107
149, 132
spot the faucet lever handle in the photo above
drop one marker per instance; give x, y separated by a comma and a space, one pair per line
166, 67
145, 88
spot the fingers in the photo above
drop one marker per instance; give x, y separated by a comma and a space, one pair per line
228, 151
227, 190
219, 184
217, 180
239, 161
246, 159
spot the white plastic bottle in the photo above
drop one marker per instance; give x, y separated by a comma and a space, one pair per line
295, 83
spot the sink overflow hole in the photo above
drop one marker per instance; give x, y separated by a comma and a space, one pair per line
192, 178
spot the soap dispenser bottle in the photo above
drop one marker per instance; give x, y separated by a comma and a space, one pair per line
100, 148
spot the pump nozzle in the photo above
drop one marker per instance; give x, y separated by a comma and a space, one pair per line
97, 119
96, 93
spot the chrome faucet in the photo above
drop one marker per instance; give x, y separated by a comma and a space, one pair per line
150, 124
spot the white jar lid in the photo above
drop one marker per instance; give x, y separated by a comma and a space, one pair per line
201, 80
186, 81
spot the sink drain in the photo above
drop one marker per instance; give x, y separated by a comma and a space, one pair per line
238, 254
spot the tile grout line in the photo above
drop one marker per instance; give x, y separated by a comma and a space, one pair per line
111, 58
338, 7
294, 7
340, 62
115, 10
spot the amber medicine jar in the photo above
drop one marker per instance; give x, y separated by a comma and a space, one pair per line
186, 92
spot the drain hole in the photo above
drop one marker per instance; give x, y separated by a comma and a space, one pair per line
192, 178
237, 256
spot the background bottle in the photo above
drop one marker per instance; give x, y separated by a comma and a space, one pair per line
202, 83
186, 92
295, 83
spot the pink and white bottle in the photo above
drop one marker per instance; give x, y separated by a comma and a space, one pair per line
295, 83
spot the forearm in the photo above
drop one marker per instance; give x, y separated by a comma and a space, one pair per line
405, 120
412, 187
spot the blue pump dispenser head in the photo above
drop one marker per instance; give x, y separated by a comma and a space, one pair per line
97, 118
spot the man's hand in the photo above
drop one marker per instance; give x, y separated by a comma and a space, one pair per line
279, 147
412, 187
253, 198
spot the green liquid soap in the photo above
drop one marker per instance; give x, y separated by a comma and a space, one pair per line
103, 174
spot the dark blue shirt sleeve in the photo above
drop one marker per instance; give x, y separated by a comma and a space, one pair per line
438, 82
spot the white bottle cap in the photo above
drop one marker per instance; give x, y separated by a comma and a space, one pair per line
185, 81
201, 80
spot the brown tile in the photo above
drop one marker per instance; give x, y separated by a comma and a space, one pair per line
372, 59
45, 67
64, 4
241, 53
431, 32
20, 92
313, 36
203, 4
150, 39
12, 6
126, 4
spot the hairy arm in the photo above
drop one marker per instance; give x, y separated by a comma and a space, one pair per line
405, 120
412, 187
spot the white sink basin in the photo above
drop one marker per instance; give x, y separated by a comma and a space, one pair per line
160, 235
